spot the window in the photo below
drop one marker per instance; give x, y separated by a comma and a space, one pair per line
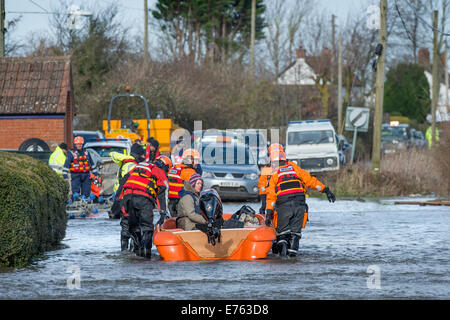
226, 154
104, 151
310, 137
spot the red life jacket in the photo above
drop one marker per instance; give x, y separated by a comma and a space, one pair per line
175, 181
289, 182
141, 181
80, 162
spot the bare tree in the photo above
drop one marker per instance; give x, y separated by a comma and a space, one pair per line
284, 22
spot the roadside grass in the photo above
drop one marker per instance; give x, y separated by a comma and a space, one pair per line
413, 172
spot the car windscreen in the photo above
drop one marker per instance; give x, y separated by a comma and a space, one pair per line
394, 132
104, 151
310, 137
254, 140
226, 154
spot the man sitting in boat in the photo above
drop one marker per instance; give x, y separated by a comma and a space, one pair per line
188, 206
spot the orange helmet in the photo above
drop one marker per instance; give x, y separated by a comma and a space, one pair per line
78, 140
164, 159
191, 153
275, 147
277, 156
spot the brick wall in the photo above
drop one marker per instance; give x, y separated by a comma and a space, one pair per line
15, 131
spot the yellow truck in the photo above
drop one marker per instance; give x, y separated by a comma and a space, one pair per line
159, 129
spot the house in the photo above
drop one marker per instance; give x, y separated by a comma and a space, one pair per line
443, 103
36, 103
308, 74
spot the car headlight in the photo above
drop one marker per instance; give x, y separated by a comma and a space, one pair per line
251, 176
331, 161
207, 174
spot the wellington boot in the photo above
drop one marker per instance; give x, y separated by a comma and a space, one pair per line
282, 248
124, 245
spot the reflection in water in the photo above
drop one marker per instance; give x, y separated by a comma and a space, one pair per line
340, 245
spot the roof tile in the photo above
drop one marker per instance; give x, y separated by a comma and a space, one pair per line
34, 85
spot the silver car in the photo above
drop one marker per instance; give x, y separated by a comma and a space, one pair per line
231, 169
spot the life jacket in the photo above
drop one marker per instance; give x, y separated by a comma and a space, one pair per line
80, 162
288, 182
141, 181
176, 184
96, 184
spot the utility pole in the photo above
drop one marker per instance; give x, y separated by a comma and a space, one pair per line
146, 31
333, 59
447, 105
339, 93
252, 39
379, 91
435, 77
2, 28
333, 46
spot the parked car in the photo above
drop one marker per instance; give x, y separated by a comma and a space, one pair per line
105, 146
344, 149
417, 139
395, 138
88, 135
231, 169
108, 169
312, 145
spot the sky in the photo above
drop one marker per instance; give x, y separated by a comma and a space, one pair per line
130, 13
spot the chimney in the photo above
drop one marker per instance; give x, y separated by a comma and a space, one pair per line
301, 53
424, 57
326, 52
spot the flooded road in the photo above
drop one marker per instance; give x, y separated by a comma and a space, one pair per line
349, 250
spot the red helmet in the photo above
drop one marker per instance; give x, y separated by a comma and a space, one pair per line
78, 140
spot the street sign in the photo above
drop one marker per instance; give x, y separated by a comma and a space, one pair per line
357, 118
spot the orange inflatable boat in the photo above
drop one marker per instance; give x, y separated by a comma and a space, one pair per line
246, 243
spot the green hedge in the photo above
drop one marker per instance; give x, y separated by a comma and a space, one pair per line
32, 209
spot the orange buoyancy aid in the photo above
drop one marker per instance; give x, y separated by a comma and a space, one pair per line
263, 183
176, 183
80, 162
289, 183
142, 181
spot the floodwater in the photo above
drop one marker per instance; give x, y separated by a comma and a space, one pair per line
349, 250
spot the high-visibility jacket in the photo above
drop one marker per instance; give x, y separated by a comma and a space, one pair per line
56, 160
284, 183
125, 163
144, 179
429, 136
177, 175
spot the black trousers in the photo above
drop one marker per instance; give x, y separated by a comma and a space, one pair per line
140, 214
290, 216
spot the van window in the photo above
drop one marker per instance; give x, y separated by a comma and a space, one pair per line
310, 137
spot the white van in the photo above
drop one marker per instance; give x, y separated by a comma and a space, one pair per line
312, 145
